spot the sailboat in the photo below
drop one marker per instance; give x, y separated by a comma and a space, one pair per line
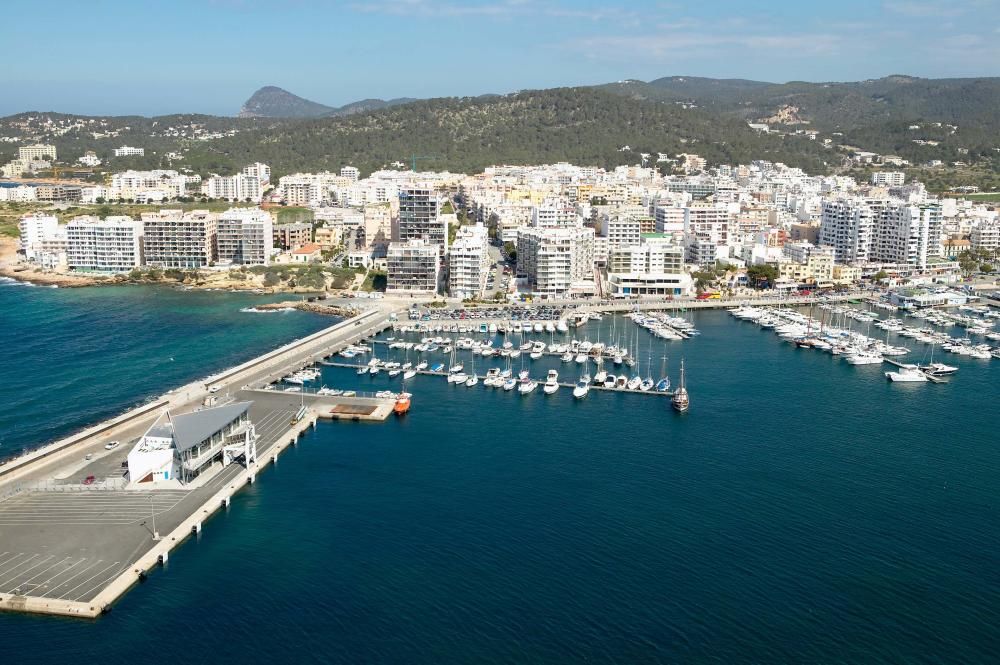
663, 385
474, 379
680, 401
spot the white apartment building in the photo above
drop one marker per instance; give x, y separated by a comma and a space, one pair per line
111, 245
469, 262
177, 239
413, 267
299, 190
653, 268
707, 232
34, 229
37, 152
846, 225
554, 215
239, 187
350, 172
556, 261
21, 193
621, 230
129, 151
907, 234
862, 231
986, 235
89, 158
245, 236
420, 217
137, 184
262, 172
888, 178
669, 219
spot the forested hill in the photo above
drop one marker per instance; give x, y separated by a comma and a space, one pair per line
581, 125
952, 120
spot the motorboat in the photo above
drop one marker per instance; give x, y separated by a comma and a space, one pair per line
634, 383
509, 384
551, 382
566, 357
526, 385
472, 380
939, 369
610, 381
600, 377
907, 374
582, 387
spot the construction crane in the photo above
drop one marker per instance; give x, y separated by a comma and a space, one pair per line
415, 158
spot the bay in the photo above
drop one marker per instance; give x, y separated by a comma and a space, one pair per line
804, 510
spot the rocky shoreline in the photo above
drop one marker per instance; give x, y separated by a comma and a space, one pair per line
309, 306
33, 275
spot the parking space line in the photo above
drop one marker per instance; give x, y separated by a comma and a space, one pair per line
88, 579
64, 583
27, 581
27, 570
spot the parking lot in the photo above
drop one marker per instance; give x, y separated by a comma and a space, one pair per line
70, 541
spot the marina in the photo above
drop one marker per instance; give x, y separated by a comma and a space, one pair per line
373, 519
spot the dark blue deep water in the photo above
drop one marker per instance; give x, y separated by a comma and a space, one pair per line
803, 511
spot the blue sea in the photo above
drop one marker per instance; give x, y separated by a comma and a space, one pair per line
804, 510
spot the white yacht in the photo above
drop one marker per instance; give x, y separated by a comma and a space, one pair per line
526, 385
509, 384
907, 374
551, 382
582, 387
472, 380
864, 358
600, 377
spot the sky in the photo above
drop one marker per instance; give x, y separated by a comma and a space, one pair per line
153, 57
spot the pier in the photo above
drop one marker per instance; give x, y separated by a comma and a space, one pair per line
72, 548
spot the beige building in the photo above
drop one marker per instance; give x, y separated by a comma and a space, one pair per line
177, 239
413, 267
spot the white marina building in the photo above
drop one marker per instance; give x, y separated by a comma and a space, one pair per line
182, 447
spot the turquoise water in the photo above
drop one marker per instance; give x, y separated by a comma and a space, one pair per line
72, 357
804, 510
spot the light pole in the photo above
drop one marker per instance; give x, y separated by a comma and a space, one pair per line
152, 513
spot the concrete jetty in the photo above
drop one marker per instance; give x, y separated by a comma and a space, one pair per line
70, 548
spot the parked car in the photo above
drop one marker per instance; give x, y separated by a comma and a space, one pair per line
89, 480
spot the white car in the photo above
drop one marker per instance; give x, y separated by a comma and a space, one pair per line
215, 389
111, 445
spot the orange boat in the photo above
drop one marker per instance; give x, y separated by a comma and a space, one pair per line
402, 404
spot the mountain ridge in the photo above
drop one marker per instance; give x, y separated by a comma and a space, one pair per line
274, 102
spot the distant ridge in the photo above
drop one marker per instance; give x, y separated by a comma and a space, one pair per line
274, 102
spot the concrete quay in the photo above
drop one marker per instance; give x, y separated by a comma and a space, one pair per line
70, 549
